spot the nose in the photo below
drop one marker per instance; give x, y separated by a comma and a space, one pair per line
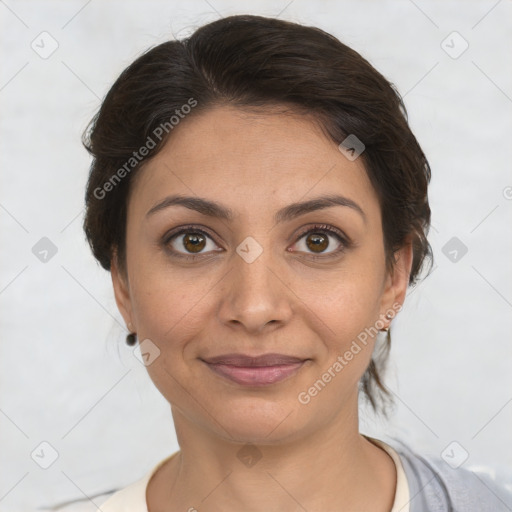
255, 296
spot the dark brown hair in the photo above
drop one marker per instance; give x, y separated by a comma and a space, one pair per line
257, 62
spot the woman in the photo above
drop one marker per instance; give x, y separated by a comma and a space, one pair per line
261, 204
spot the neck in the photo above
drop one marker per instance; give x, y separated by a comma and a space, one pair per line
333, 468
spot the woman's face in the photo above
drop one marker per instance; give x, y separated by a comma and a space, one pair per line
263, 281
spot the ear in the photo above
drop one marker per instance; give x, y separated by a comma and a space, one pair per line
121, 291
397, 281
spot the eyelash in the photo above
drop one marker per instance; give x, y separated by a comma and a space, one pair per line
316, 228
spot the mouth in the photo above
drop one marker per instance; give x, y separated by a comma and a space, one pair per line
255, 371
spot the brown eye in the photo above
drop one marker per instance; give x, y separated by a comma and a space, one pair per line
317, 242
194, 242
189, 242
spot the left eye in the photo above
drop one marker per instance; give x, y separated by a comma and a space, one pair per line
317, 241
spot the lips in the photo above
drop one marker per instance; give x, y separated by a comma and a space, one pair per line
263, 360
255, 371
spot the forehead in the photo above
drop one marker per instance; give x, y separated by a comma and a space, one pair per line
251, 160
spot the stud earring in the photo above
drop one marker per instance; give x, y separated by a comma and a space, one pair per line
131, 338
386, 329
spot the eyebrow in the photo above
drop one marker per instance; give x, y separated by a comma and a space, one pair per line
214, 209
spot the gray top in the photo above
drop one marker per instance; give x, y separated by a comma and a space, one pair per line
435, 486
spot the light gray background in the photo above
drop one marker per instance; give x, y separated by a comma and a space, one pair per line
66, 376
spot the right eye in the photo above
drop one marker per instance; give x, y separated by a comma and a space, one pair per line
188, 238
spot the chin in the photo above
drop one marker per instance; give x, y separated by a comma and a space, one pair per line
259, 420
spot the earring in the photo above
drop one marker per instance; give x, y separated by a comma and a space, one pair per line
131, 338
386, 329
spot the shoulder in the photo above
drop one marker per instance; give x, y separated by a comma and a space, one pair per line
437, 486
83, 504
131, 498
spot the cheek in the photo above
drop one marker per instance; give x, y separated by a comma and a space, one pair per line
172, 308
169, 312
348, 301
168, 307
348, 335
350, 340
348, 309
